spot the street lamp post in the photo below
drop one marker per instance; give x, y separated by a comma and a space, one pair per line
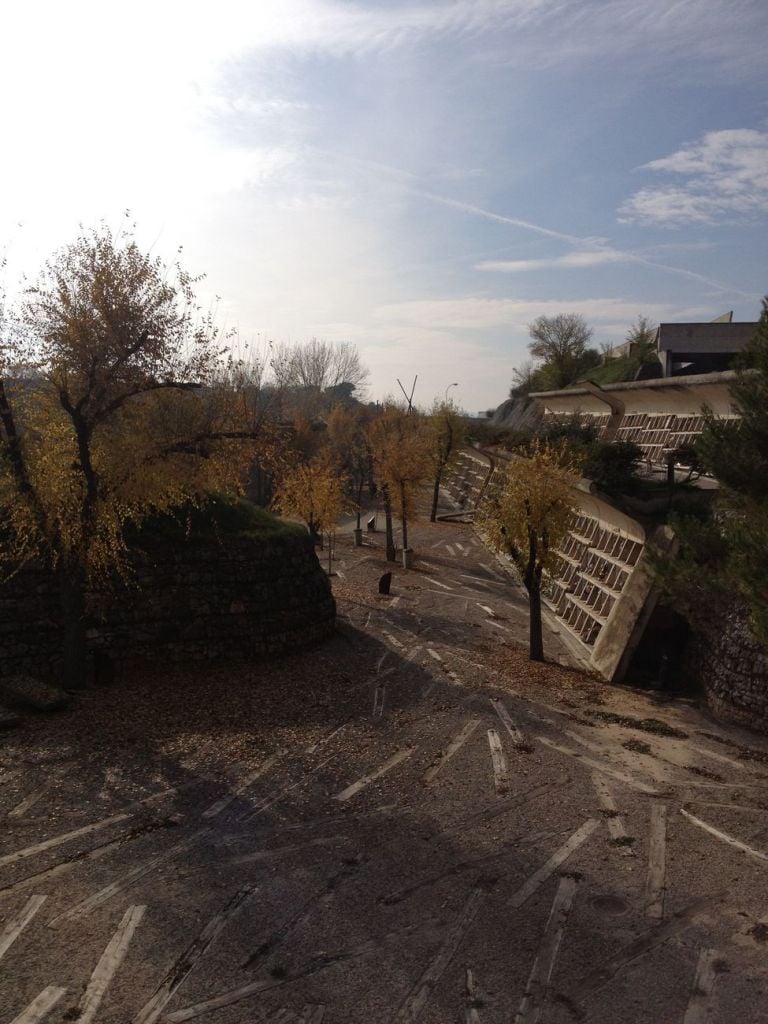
454, 385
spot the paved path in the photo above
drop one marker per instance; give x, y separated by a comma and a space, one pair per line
420, 827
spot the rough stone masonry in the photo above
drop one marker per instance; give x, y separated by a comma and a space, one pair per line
731, 666
247, 598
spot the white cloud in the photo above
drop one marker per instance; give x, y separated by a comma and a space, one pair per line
481, 313
723, 33
499, 218
547, 30
93, 40
726, 175
583, 258
586, 259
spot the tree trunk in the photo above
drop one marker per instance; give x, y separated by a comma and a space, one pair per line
435, 495
72, 602
532, 581
535, 637
360, 485
403, 518
390, 542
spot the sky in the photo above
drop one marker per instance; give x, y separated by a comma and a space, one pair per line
421, 179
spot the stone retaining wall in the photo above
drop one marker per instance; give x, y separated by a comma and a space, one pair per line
731, 667
239, 599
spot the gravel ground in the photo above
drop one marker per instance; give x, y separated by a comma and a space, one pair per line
411, 822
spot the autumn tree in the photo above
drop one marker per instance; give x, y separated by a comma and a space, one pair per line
561, 343
444, 435
400, 446
347, 439
116, 401
314, 492
527, 515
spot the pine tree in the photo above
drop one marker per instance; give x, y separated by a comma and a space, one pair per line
735, 451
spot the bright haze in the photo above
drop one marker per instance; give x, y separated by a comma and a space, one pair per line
420, 179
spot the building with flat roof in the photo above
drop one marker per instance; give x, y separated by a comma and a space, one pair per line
688, 349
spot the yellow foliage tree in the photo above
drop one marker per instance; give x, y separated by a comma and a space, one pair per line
527, 514
314, 492
117, 401
400, 446
446, 429
349, 443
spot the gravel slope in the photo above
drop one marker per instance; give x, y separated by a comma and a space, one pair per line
409, 823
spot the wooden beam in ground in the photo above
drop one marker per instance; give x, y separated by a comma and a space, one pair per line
29, 801
366, 780
506, 720
321, 962
439, 584
312, 1014
643, 944
326, 739
283, 851
499, 762
17, 924
723, 836
216, 808
600, 766
471, 998
94, 853
614, 820
189, 959
537, 988
414, 1003
49, 844
125, 880
464, 865
453, 748
550, 866
655, 885
699, 1003
108, 964
40, 1006
273, 798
